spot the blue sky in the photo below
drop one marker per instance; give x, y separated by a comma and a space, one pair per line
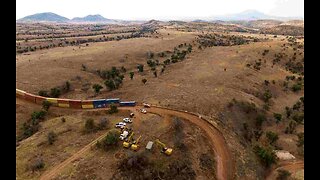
160, 9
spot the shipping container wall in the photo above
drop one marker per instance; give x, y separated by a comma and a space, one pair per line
30, 97
65, 105
128, 103
114, 100
20, 93
100, 103
53, 101
75, 104
87, 106
40, 99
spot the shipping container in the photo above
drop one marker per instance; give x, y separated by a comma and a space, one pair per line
20, 93
87, 102
87, 106
100, 103
114, 100
30, 97
75, 104
65, 105
128, 103
63, 101
53, 101
40, 99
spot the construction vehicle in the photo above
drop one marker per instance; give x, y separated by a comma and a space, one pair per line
127, 143
135, 145
165, 149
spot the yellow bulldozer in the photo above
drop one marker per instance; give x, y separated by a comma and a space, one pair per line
127, 142
165, 149
135, 145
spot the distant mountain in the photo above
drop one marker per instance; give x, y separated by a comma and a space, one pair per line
44, 17
92, 18
250, 15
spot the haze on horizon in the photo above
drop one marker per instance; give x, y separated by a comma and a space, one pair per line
160, 10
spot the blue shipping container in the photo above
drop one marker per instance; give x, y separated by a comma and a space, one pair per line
128, 103
115, 100
101, 103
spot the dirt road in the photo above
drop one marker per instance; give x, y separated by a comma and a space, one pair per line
225, 168
291, 166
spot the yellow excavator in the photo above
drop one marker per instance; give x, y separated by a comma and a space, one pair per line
165, 149
135, 145
127, 143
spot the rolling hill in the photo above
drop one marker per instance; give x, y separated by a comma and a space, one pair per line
44, 17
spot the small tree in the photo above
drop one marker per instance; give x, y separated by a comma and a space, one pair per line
63, 120
52, 137
55, 92
103, 123
144, 81
46, 105
110, 140
131, 75
37, 164
43, 93
155, 74
97, 88
89, 125
277, 116
266, 96
272, 137
110, 84
266, 155
140, 67
113, 109
260, 119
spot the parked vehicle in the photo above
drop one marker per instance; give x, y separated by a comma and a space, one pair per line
121, 125
146, 105
127, 120
143, 111
124, 135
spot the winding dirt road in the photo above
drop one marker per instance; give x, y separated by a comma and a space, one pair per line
225, 167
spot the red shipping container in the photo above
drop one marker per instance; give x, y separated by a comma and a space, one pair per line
63, 101
40, 99
75, 104
30, 97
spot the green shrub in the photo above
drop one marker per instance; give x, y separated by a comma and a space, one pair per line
266, 154
52, 137
46, 105
113, 109
89, 126
55, 92
43, 93
37, 164
110, 140
131, 75
97, 88
298, 117
272, 137
260, 119
140, 67
266, 96
277, 116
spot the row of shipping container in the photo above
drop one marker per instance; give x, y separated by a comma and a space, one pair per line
69, 103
